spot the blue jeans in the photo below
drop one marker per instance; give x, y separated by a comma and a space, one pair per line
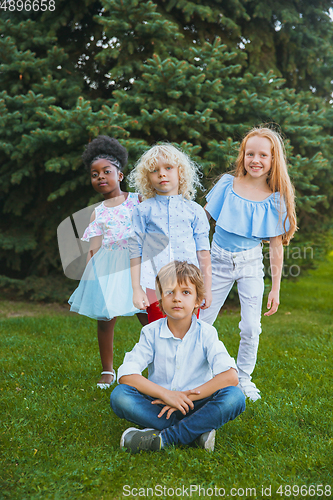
208, 413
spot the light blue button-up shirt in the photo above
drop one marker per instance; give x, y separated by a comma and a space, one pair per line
178, 364
167, 228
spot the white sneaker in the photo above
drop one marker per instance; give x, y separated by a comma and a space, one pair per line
206, 440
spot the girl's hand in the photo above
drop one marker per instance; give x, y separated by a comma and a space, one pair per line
272, 303
140, 299
208, 300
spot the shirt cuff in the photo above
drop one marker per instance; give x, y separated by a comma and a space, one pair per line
134, 249
128, 369
221, 366
202, 243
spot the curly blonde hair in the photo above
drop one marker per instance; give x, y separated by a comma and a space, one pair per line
188, 170
278, 178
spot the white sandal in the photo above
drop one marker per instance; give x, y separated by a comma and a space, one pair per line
102, 385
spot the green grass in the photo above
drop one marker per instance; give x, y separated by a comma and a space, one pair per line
60, 440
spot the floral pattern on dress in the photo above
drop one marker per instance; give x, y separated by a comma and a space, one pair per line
114, 223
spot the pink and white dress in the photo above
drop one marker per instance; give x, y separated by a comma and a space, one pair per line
105, 289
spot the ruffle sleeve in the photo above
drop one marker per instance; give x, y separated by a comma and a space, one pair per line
250, 219
215, 197
94, 229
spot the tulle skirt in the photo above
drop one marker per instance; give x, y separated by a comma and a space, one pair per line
105, 289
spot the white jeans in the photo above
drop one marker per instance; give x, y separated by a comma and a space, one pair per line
246, 268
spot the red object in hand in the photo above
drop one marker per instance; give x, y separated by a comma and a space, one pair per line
155, 313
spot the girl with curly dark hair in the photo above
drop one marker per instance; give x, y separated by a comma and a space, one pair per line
105, 289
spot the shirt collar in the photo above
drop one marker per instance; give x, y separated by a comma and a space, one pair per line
164, 199
166, 333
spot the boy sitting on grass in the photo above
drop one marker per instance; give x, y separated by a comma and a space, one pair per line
191, 388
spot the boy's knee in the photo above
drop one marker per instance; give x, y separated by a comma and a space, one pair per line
120, 399
237, 398
232, 399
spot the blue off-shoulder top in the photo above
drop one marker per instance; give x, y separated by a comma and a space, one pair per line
240, 223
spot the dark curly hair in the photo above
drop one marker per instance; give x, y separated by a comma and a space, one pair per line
104, 145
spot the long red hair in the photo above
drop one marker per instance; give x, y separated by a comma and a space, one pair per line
278, 178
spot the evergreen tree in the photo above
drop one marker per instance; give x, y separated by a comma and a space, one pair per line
141, 72
292, 38
36, 73
295, 39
